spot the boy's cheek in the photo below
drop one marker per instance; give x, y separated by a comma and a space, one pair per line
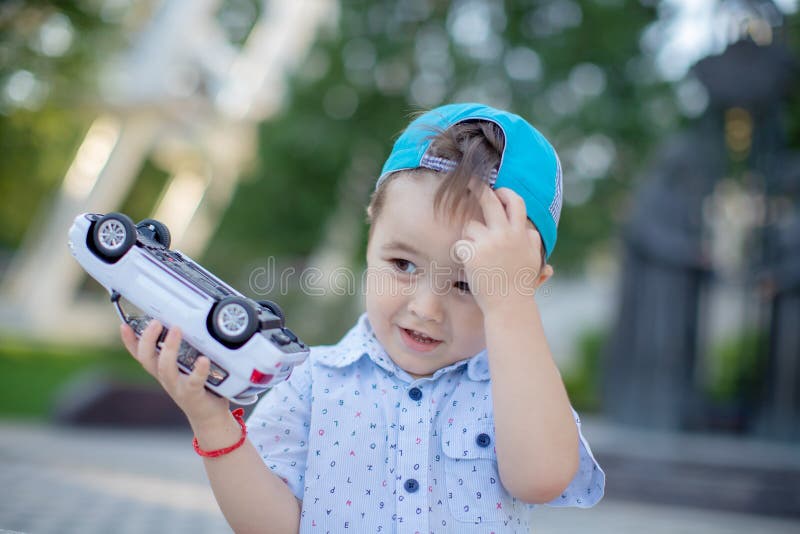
470, 329
380, 283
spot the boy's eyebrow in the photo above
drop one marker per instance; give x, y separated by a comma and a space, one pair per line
399, 245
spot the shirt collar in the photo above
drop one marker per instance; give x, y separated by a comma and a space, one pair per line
360, 341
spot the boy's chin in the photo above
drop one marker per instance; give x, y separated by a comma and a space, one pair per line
413, 366
416, 375
417, 371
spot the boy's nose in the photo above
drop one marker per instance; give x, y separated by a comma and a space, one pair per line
426, 304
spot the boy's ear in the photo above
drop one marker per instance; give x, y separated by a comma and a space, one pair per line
544, 275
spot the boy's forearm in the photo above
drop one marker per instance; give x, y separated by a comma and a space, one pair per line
537, 439
252, 498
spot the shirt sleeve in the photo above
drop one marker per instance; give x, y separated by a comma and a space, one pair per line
588, 485
278, 428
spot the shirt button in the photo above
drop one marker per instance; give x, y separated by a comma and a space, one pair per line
411, 485
483, 440
415, 394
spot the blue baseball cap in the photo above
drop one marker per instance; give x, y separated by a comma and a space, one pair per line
529, 165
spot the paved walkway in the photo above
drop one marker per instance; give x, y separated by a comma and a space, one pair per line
67, 480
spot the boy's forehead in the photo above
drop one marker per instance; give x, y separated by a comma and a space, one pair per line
409, 222
419, 187
407, 189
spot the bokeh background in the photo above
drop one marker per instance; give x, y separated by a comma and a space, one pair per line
256, 129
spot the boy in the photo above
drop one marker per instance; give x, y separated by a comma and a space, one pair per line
442, 409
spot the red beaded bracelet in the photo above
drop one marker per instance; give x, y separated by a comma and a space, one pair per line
238, 414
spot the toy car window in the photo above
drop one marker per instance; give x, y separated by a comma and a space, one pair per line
191, 272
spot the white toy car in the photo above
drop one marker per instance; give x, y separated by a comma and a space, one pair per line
248, 344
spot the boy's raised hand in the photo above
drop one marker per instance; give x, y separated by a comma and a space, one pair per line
505, 252
187, 391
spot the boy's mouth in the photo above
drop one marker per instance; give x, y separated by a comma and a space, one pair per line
418, 341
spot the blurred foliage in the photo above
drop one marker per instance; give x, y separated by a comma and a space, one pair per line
35, 373
582, 382
48, 100
792, 117
354, 93
145, 191
736, 365
36, 147
738, 362
576, 69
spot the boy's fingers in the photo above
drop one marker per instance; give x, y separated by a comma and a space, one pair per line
146, 348
514, 206
535, 238
473, 230
492, 208
132, 345
198, 376
167, 362
128, 338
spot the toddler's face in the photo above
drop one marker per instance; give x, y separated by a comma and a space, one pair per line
416, 295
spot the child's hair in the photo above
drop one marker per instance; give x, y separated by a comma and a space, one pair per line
476, 146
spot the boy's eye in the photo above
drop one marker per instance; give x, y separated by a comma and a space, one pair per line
404, 266
461, 286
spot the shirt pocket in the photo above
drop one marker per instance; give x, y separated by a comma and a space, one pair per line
474, 492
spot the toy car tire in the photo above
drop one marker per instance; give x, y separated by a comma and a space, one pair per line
275, 309
113, 235
233, 320
160, 231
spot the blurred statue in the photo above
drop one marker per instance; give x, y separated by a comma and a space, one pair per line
648, 373
654, 362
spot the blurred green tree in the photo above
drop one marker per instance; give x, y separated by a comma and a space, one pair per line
574, 69
49, 53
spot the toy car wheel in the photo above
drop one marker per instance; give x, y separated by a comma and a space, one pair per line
158, 229
113, 235
233, 320
275, 309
